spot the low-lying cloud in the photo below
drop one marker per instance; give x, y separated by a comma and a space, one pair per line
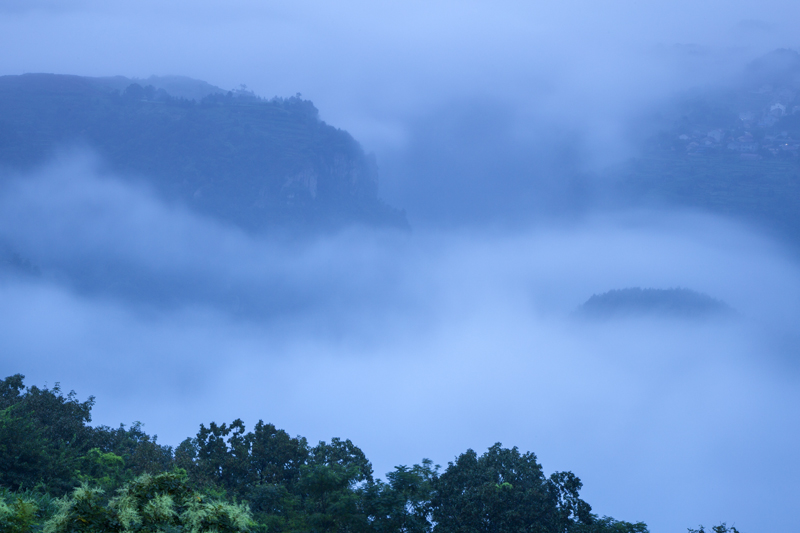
460, 333
422, 344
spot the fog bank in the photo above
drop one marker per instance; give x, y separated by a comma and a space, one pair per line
423, 344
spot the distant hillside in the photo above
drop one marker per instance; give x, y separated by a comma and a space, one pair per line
258, 163
734, 151
13, 263
636, 302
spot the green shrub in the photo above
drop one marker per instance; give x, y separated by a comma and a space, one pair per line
18, 517
83, 511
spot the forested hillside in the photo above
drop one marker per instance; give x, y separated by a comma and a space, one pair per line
254, 162
661, 303
60, 474
732, 150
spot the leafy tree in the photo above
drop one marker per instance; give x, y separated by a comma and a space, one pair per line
25, 510
46, 441
219, 452
43, 435
275, 468
161, 503
571, 510
504, 491
610, 525
329, 500
104, 470
11, 390
84, 510
276, 508
141, 452
404, 503
289, 484
275, 457
721, 528
345, 454
23, 458
158, 503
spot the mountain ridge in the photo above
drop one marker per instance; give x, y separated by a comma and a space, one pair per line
258, 163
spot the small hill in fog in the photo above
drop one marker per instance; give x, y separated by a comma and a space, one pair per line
637, 302
232, 155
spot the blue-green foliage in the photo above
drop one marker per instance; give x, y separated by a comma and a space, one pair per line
230, 480
46, 443
163, 503
17, 515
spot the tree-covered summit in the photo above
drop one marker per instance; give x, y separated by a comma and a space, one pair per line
255, 162
648, 302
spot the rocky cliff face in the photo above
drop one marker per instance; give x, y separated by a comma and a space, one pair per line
258, 163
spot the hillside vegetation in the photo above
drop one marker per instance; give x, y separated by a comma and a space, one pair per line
637, 302
734, 151
59, 474
254, 162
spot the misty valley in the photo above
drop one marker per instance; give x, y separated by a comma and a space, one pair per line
217, 265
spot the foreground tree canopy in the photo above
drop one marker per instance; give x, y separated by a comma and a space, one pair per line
58, 474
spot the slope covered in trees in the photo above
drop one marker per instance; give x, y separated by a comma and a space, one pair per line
59, 474
732, 150
254, 162
637, 302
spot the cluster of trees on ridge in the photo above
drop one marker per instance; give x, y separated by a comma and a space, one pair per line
250, 161
58, 474
635, 301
